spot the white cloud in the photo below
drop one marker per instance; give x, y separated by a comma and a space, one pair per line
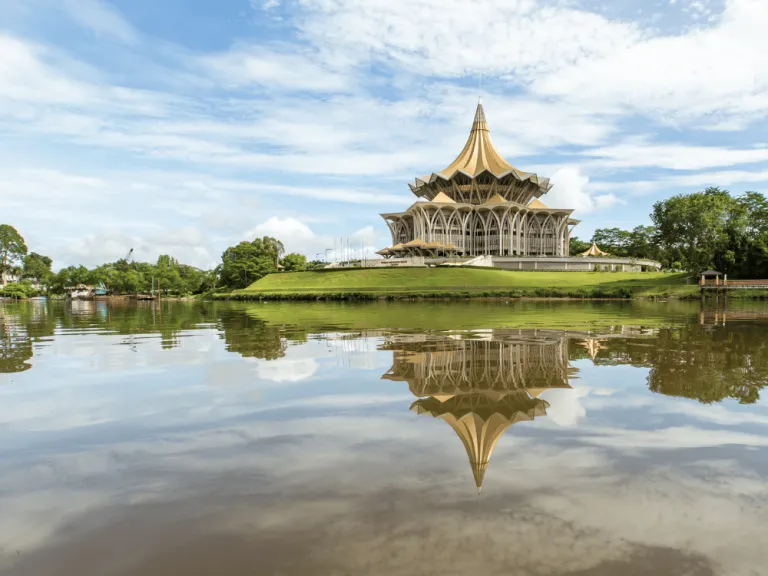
244, 65
570, 189
342, 101
296, 236
102, 19
441, 37
565, 408
722, 178
671, 156
669, 78
284, 370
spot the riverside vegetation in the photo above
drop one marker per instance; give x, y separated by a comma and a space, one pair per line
690, 232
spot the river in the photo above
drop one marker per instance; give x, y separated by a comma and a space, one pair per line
526, 438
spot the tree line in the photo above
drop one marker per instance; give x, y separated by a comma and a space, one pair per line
694, 232
241, 265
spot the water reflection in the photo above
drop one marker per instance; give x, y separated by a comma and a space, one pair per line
708, 363
264, 440
481, 387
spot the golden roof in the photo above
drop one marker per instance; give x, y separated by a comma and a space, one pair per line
495, 199
478, 157
416, 243
479, 154
594, 251
443, 198
537, 204
433, 244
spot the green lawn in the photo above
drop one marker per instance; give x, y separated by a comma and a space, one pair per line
469, 281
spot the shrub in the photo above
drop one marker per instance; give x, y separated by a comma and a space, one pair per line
16, 290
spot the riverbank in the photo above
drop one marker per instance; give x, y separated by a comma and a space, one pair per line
460, 283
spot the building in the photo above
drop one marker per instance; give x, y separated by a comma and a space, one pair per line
480, 205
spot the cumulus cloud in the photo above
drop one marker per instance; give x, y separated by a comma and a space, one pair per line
570, 189
565, 408
296, 235
354, 100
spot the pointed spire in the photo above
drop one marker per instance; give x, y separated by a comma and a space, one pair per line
479, 154
480, 123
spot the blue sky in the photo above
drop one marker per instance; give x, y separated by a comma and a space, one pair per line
185, 126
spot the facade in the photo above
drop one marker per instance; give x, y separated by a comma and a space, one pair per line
479, 205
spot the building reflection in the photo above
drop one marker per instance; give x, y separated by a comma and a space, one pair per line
481, 387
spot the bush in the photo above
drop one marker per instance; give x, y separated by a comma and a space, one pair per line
16, 290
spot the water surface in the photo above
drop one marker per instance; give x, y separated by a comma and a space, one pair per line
406, 438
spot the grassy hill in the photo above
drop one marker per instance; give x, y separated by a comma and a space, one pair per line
463, 282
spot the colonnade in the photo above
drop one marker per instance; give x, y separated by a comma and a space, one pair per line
501, 230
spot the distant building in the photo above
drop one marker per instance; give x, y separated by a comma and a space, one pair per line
482, 206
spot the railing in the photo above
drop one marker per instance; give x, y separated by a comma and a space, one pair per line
735, 284
747, 283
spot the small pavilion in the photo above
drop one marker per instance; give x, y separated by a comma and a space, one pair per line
593, 251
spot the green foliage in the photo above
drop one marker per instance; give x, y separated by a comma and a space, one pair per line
294, 262
243, 264
12, 248
316, 265
578, 246
19, 290
638, 243
693, 361
37, 267
168, 276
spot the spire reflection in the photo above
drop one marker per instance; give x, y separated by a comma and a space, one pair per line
481, 384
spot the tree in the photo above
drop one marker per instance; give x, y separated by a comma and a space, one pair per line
12, 249
37, 267
615, 241
578, 246
699, 229
246, 262
642, 243
294, 262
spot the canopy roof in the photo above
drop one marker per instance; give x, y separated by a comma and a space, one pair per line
442, 197
480, 157
594, 251
711, 273
479, 154
495, 199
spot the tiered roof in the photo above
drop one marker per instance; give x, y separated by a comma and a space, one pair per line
480, 161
